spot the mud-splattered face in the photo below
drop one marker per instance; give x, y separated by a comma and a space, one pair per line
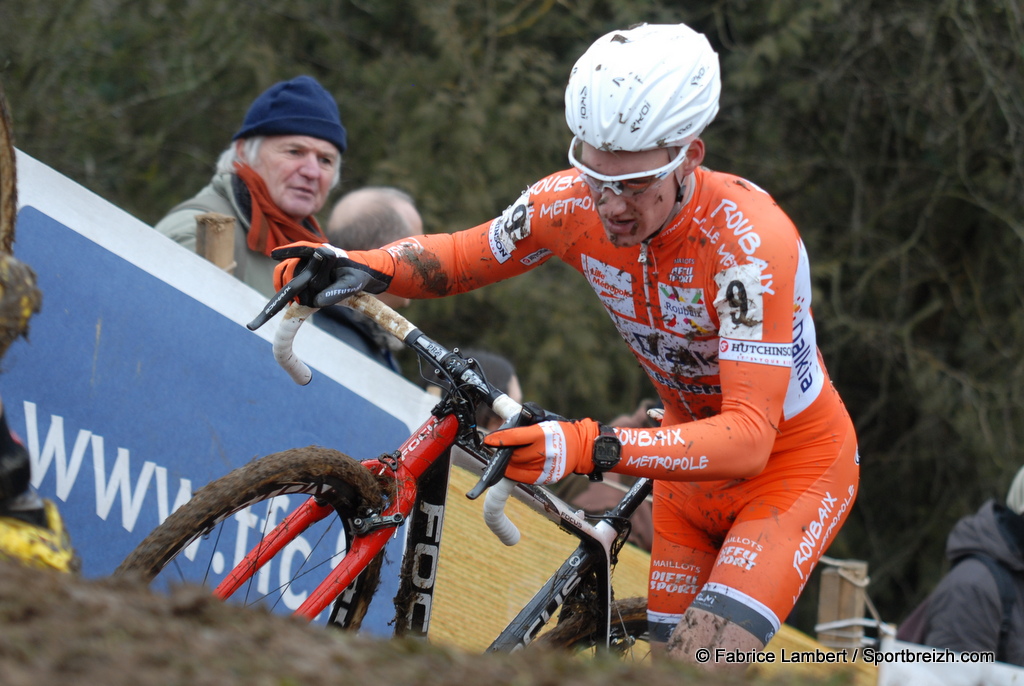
629, 219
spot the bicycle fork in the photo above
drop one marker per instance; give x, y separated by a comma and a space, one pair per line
362, 551
415, 457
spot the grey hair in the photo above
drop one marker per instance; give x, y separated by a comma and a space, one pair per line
251, 148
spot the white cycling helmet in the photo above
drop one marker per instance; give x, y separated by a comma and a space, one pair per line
651, 86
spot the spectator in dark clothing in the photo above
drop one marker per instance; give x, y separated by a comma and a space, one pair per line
367, 218
965, 610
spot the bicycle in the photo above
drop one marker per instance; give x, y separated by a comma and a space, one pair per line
368, 500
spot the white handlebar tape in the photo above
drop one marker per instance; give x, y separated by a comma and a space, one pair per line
293, 317
494, 512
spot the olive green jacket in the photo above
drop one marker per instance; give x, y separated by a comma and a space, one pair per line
253, 268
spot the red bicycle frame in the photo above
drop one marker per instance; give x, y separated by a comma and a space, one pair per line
417, 453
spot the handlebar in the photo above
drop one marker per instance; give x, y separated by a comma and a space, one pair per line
511, 412
293, 317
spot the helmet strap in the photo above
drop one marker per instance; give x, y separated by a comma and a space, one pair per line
671, 215
682, 196
681, 199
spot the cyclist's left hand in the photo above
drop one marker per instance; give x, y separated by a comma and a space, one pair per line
546, 452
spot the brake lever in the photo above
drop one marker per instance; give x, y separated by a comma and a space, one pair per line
495, 469
286, 294
493, 473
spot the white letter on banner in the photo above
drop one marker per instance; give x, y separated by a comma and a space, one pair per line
53, 451
120, 481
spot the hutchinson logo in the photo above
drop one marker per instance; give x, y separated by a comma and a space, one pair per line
774, 354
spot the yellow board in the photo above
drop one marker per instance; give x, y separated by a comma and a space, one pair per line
482, 584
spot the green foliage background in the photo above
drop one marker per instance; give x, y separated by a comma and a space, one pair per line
892, 132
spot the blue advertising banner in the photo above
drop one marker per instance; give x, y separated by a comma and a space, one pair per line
140, 383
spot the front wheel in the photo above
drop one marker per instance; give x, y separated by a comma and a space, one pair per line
208, 536
628, 637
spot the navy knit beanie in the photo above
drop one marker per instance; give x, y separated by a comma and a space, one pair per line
300, 107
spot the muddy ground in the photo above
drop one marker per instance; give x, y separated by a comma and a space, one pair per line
62, 629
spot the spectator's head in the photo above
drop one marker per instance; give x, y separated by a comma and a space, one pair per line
373, 217
292, 136
1015, 496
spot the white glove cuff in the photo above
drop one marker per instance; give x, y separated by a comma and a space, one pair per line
555, 453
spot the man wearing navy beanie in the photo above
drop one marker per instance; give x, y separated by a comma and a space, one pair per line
273, 178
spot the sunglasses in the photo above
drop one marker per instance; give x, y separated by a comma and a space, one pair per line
629, 185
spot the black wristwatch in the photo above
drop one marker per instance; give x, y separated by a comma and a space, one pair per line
607, 451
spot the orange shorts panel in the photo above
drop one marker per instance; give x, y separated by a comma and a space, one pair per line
745, 549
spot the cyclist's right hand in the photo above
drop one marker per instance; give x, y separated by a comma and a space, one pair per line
336, 275
545, 453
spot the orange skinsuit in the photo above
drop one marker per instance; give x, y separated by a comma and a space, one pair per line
756, 462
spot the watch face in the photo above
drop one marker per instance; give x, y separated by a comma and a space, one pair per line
606, 452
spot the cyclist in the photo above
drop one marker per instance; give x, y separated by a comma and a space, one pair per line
707, 280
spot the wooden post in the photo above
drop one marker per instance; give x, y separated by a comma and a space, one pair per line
215, 239
842, 597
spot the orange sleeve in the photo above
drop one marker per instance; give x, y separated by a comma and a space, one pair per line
445, 264
734, 444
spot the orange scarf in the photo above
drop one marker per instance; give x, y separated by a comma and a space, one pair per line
269, 227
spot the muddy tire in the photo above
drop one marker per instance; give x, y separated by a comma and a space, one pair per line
223, 518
